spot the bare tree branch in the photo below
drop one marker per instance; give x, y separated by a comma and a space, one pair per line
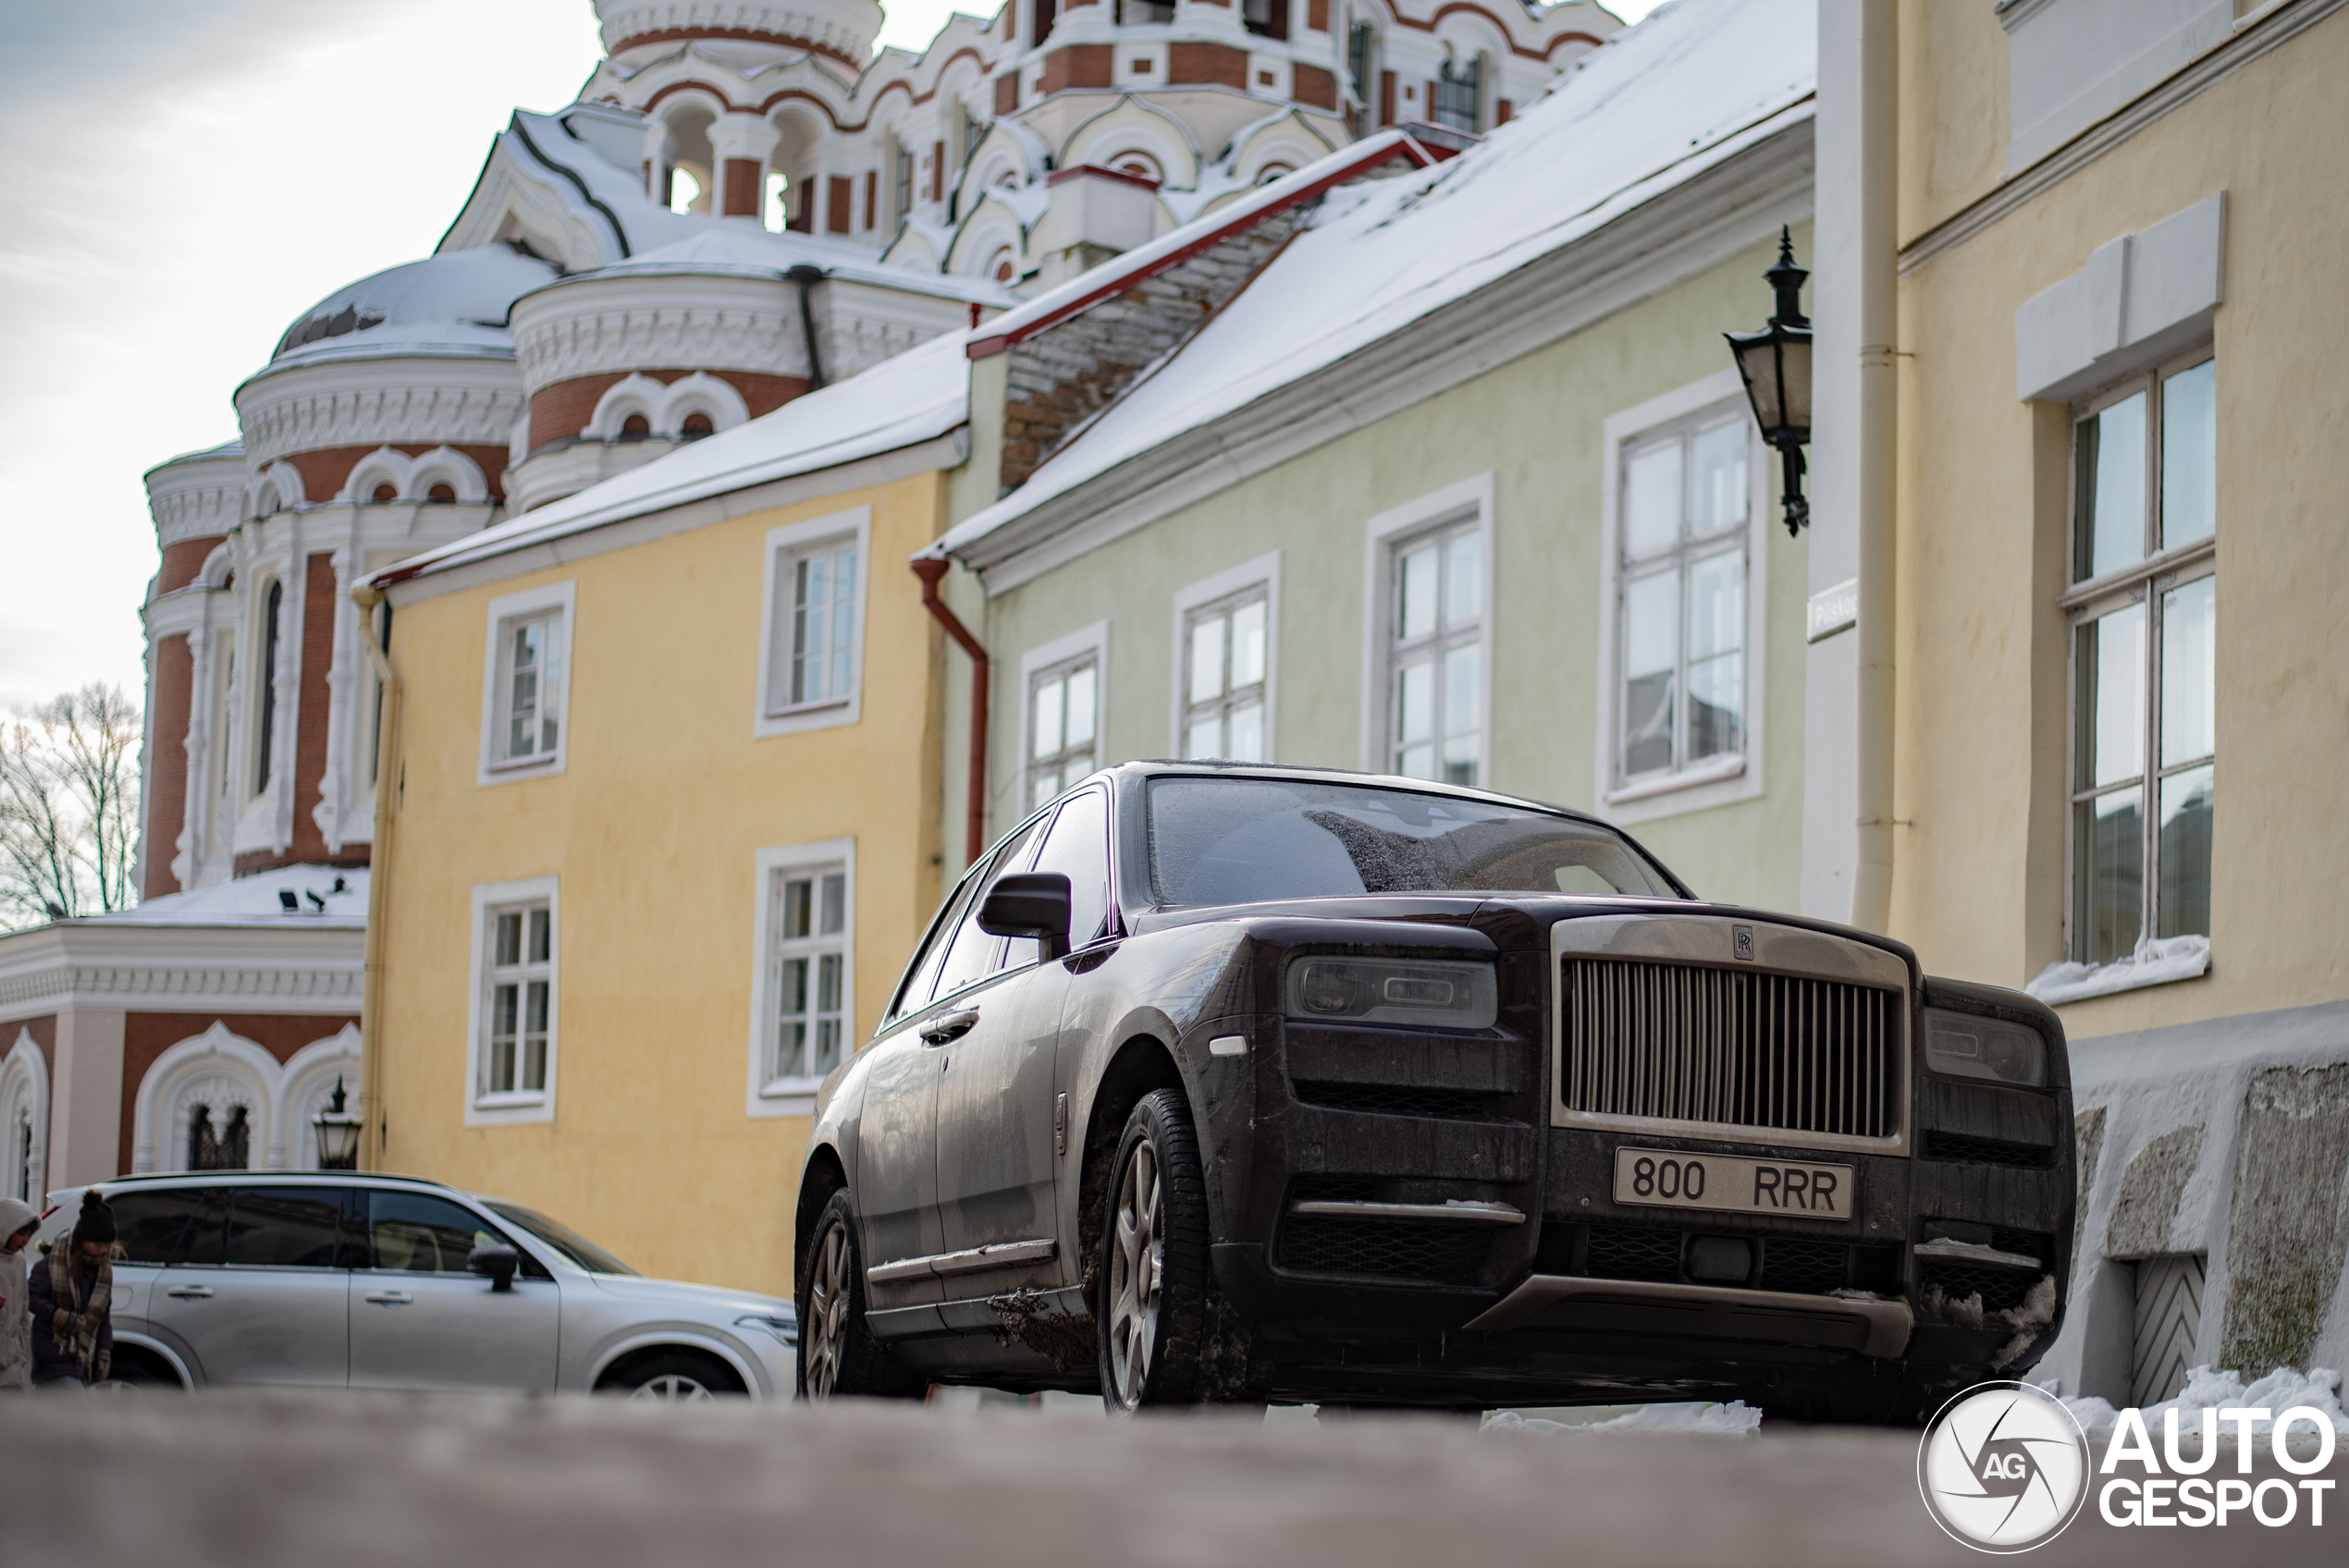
68, 807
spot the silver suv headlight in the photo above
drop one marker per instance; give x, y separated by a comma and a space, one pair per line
783, 1329
1431, 993
1963, 1045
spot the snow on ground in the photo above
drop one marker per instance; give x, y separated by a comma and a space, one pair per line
2206, 1389
1735, 1419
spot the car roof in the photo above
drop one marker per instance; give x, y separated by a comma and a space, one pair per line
1210, 768
262, 1178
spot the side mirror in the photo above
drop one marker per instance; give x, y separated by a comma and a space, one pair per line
498, 1261
1028, 903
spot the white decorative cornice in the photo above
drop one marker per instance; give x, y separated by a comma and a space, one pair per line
129, 965
847, 26
379, 402
658, 321
197, 498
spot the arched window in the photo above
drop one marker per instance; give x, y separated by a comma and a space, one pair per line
696, 426
1141, 165
1458, 96
635, 428
271, 624
684, 190
442, 493
227, 1147
1001, 267
386, 492
20, 1178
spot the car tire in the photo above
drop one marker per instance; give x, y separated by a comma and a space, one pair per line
1157, 1287
838, 1355
673, 1377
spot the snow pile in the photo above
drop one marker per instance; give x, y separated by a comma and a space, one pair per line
2156, 960
2206, 1389
1735, 1419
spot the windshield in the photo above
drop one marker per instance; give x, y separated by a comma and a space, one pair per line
1252, 840
583, 1252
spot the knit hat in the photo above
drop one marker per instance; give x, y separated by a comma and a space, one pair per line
16, 1216
96, 1223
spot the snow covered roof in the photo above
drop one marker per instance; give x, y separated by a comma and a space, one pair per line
228, 451
256, 900
918, 395
453, 304
741, 249
1692, 86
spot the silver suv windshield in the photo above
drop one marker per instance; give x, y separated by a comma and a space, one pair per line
1235, 841
583, 1252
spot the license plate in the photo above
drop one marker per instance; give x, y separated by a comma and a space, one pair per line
1673, 1179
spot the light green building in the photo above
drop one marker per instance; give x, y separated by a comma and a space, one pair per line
1455, 481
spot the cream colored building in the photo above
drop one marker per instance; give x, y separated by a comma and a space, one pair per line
665, 823
2106, 578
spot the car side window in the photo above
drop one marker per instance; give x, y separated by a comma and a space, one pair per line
1077, 847
287, 1228
973, 955
184, 1226
417, 1233
923, 978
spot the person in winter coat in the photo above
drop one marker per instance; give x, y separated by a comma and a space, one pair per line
73, 1297
17, 1222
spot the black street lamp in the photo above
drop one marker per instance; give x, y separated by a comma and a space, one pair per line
1775, 364
338, 1134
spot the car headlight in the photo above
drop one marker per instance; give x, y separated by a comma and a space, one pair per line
783, 1329
1434, 993
1963, 1045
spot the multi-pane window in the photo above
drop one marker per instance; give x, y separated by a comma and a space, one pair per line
1359, 40
1224, 678
901, 181
816, 656
1680, 698
530, 666
1435, 655
2145, 510
811, 981
272, 629
1060, 710
1457, 95
520, 975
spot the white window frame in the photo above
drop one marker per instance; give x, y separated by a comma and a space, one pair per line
790, 540
1719, 781
506, 609
1094, 640
793, 1097
1470, 500
1263, 572
521, 1105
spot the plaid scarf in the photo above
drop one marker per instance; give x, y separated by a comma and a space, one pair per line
81, 1311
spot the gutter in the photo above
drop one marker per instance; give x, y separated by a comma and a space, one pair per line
930, 569
1877, 274
806, 276
366, 596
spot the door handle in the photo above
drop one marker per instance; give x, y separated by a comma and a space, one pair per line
391, 1298
188, 1292
949, 1026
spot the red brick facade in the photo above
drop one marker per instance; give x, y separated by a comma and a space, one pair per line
325, 471
560, 412
1207, 65
741, 188
182, 561
146, 1035
319, 596
1314, 86
1079, 64
175, 681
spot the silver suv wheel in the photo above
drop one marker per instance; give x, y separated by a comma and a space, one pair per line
1137, 1271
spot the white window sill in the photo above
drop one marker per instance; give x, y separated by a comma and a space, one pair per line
798, 710
512, 764
1651, 788
512, 1100
788, 1097
2156, 961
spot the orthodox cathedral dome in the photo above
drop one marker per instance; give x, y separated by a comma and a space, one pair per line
455, 303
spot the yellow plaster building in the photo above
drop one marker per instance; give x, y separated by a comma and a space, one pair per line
2105, 240
666, 823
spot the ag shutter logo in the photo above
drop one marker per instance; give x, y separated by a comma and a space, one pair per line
2003, 1467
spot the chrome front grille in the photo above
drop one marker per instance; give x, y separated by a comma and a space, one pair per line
1820, 1060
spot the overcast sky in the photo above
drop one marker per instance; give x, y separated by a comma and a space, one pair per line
179, 179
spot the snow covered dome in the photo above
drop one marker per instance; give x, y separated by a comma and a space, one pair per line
842, 27
454, 303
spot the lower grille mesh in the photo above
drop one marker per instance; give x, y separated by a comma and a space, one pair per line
1431, 1252
1399, 1099
1963, 1148
2001, 1288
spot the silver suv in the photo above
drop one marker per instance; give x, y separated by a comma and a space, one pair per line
365, 1281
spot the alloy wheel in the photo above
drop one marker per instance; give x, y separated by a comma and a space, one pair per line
827, 1329
1138, 1265
671, 1387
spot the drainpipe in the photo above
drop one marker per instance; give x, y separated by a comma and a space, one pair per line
930, 569
808, 276
371, 1147
1877, 276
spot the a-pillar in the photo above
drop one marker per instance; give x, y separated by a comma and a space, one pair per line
743, 144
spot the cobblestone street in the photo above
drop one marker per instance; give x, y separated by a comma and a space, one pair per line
257, 1480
